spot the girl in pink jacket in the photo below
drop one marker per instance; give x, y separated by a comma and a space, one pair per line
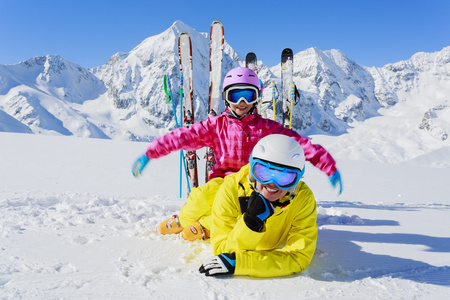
231, 136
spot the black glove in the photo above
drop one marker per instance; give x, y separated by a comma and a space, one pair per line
222, 264
258, 210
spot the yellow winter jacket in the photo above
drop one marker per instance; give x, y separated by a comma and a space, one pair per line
284, 247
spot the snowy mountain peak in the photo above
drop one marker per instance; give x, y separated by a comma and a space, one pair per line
58, 77
152, 47
396, 82
135, 80
179, 27
40, 94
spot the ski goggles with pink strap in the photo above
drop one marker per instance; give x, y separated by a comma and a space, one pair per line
283, 177
247, 93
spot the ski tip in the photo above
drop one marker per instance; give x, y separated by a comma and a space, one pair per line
184, 38
217, 26
286, 51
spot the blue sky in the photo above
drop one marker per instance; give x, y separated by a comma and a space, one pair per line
372, 33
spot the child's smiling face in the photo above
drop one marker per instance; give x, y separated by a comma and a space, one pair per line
270, 191
241, 108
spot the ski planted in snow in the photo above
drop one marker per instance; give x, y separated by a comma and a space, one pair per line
215, 79
287, 79
251, 62
289, 91
185, 53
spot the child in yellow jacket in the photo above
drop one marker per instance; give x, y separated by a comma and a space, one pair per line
263, 217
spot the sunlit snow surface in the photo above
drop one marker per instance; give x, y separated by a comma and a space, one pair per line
74, 223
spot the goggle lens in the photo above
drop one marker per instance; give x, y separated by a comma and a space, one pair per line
236, 95
283, 178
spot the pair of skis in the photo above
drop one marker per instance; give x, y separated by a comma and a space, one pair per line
186, 93
251, 62
289, 92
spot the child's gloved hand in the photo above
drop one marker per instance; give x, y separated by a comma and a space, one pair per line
222, 264
335, 179
259, 209
139, 165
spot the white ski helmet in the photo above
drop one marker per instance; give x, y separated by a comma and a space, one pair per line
280, 150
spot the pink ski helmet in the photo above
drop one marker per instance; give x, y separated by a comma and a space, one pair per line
241, 76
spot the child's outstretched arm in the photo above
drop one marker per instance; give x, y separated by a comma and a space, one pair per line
190, 138
195, 137
317, 155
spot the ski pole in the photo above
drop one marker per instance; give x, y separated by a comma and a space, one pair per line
273, 100
176, 121
168, 91
181, 152
292, 103
182, 163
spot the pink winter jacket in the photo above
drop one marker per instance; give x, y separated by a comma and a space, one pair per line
232, 141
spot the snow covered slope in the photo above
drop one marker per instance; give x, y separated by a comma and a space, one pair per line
43, 92
75, 224
415, 117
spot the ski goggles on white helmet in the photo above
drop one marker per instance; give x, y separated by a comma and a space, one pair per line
247, 93
283, 177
